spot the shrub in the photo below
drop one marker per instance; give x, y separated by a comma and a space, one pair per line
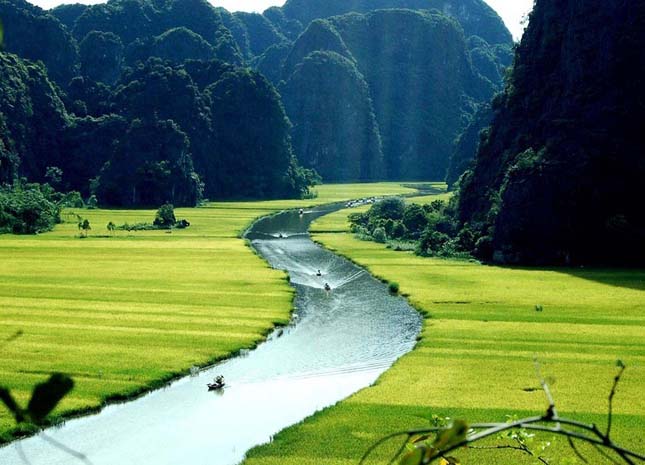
26, 209
393, 288
92, 202
432, 242
165, 217
72, 200
391, 208
399, 231
379, 235
414, 218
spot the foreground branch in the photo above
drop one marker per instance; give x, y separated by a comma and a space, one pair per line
550, 422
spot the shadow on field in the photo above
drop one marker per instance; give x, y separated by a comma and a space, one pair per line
629, 278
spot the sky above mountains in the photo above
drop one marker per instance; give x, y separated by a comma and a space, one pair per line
511, 11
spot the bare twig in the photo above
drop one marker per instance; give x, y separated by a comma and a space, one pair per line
545, 387
550, 422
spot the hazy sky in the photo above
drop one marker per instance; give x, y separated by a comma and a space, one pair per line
512, 11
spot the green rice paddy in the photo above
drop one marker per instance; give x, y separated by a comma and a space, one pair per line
125, 312
475, 360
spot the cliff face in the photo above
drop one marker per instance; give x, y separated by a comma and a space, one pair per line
557, 180
421, 88
476, 17
335, 131
33, 34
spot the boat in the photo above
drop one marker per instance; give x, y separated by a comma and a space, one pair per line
217, 384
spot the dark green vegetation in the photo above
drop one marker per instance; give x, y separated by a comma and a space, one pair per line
557, 178
428, 228
28, 208
468, 144
141, 102
397, 98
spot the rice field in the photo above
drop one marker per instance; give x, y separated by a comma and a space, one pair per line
475, 360
124, 312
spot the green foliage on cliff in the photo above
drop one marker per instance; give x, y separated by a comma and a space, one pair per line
33, 34
557, 180
376, 95
335, 128
476, 17
421, 88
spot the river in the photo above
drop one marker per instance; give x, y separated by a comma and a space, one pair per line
338, 342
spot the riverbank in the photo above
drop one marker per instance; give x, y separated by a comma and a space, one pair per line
475, 358
126, 313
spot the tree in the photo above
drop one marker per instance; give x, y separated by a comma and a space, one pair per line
165, 217
84, 226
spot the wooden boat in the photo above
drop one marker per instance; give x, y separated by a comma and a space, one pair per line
217, 384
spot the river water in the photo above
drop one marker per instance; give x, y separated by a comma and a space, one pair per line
338, 342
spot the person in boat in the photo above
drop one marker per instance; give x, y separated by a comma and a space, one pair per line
218, 383
281, 236
301, 211
327, 287
318, 273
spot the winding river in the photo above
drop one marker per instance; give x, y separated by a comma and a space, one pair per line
337, 343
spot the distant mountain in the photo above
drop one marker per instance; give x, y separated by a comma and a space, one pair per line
371, 94
558, 175
34, 34
421, 87
475, 16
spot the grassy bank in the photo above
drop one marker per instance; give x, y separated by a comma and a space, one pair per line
475, 359
125, 312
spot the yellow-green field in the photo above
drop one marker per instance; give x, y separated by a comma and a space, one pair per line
475, 359
127, 312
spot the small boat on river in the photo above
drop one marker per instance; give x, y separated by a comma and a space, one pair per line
217, 384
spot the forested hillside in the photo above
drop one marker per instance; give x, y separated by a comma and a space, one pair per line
557, 178
233, 104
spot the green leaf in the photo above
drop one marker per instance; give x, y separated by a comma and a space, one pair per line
413, 457
47, 395
451, 461
420, 438
454, 435
11, 404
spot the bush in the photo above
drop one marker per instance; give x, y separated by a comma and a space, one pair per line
415, 218
165, 217
432, 242
393, 288
26, 209
379, 236
399, 231
72, 200
391, 209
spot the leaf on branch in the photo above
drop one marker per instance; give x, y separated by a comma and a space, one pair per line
449, 461
413, 457
8, 400
47, 395
454, 435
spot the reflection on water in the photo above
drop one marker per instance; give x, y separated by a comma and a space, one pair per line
338, 342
